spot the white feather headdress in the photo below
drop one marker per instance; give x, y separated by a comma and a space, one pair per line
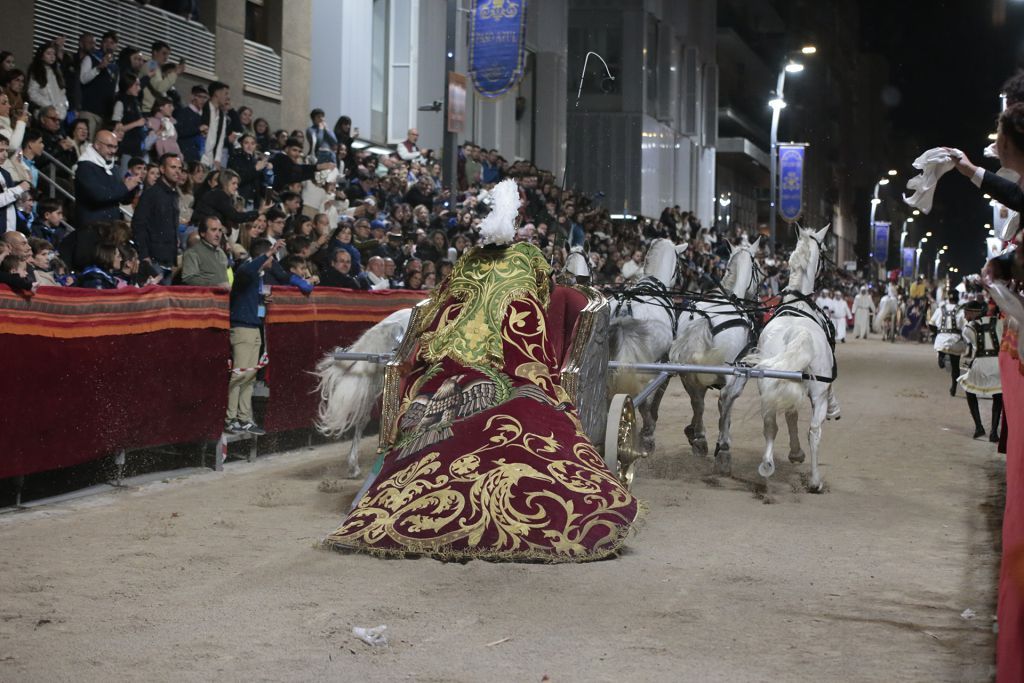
499, 226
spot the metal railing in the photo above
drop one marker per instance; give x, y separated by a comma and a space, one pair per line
51, 177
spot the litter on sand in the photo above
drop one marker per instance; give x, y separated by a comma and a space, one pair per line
372, 636
968, 614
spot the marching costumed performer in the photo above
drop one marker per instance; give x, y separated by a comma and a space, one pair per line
948, 321
863, 309
839, 311
490, 460
982, 334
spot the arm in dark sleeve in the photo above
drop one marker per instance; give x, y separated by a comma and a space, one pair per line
1006, 192
249, 271
223, 205
246, 170
100, 188
142, 219
187, 124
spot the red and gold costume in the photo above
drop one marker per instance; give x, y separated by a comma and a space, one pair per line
490, 460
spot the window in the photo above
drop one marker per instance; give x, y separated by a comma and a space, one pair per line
257, 27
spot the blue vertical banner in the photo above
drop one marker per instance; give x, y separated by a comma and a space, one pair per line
496, 45
908, 261
791, 181
880, 241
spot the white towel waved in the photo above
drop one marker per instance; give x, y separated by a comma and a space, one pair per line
933, 164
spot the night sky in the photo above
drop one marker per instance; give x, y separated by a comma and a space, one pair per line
947, 61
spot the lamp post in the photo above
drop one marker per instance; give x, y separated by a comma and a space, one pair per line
938, 255
904, 233
875, 200
917, 255
777, 103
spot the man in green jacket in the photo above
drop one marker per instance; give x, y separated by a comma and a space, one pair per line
205, 264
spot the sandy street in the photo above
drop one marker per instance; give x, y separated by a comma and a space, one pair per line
216, 576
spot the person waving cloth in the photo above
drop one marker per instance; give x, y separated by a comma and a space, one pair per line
490, 459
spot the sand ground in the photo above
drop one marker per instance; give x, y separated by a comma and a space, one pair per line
216, 575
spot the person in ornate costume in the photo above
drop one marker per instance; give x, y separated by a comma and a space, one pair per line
948, 321
490, 460
982, 334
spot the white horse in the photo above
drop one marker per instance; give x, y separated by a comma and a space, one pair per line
888, 314
718, 332
798, 338
576, 263
642, 327
349, 390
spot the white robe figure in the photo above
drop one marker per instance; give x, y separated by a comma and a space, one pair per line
840, 312
824, 302
949, 320
863, 309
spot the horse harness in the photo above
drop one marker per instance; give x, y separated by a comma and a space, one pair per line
819, 317
651, 288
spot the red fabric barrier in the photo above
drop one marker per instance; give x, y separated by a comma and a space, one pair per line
1010, 643
88, 372
301, 329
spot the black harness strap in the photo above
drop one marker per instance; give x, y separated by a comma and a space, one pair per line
789, 309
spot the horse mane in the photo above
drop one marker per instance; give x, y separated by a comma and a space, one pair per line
654, 251
729, 279
800, 259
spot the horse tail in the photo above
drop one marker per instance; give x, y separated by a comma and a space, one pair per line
626, 337
694, 344
349, 389
797, 353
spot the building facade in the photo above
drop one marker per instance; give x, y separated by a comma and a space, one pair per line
255, 46
392, 55
648, 138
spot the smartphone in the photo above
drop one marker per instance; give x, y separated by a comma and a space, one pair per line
268, 194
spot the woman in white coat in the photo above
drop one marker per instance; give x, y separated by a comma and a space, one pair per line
45, 81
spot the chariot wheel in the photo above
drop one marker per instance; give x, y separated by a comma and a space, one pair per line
622, 439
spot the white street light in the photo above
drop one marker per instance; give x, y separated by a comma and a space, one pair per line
916, 212
892, 171
777, 104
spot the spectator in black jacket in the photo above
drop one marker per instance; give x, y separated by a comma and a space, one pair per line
339, 272
99, 189
220, 202
54, 142
155, 222
250, 165
188, 121
288, 170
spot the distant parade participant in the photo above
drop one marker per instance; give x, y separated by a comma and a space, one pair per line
948, 321
824, 302
982, 334
840, 311
863, 309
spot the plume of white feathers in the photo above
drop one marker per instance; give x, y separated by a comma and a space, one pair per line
499, 226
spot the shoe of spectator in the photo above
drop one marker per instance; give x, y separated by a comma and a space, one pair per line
232, 427
252, 428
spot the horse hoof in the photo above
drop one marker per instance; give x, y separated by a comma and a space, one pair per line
797, 457
700, 447
766, 469
354, 473
723, 460
833, 416
818, 487
647, 442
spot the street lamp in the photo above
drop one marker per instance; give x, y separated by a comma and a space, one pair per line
935, 270
917, 255
777, 103
875, 200
903, 234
